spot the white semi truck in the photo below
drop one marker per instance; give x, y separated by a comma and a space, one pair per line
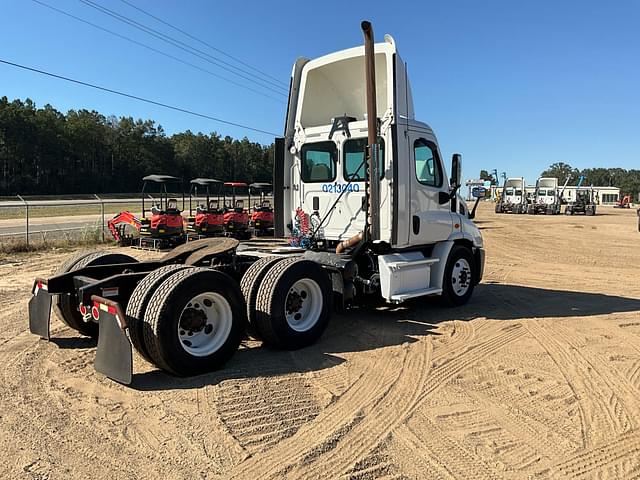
361, 189
546, 198
513, 198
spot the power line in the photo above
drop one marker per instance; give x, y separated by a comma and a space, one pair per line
168, 55
135, 97
202, 42
184, 46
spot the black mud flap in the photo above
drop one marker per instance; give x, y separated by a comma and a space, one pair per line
40, 309
114, 356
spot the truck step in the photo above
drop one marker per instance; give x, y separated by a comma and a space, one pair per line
414, 263
401, 297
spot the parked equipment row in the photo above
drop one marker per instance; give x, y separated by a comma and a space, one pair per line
546, 199
223, 213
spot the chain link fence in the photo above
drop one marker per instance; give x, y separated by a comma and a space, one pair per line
43, 219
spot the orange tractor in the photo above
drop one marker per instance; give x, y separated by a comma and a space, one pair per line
624, 202
262, 213
209, 218
163, 229
236, 218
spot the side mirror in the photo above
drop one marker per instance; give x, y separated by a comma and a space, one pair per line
456, 170
444, 197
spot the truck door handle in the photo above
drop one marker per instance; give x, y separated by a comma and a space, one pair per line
416, 225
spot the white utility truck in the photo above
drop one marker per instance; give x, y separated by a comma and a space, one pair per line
361, 190
546, 199
513, 198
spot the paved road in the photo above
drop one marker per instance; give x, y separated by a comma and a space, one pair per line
16, 226
57, 203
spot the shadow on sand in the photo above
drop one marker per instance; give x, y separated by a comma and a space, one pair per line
369, 329
74, 342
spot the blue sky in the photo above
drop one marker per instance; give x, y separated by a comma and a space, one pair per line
513, 86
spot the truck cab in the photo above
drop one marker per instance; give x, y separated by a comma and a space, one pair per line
546, 199
323, 172
514, 197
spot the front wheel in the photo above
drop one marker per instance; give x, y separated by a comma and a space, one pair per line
459, 274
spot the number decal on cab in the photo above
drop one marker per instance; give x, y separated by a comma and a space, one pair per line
340, 187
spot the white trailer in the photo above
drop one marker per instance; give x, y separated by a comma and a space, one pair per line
361, 189
513, 198
546, 198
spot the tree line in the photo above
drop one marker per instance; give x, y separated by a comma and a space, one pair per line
44, 151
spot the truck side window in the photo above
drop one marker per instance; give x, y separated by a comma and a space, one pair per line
353, 156
319, 162
428, 169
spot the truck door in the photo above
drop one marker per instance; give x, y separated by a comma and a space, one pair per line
429, 221
319, 177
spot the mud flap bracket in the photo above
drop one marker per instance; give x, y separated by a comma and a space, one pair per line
114, 355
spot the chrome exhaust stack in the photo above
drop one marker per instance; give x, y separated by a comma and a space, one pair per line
372, 188
372, 165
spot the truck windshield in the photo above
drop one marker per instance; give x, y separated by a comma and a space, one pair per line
518, 191
353, 152
508, 191
542, 193
319, 162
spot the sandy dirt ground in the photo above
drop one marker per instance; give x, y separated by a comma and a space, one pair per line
537, 377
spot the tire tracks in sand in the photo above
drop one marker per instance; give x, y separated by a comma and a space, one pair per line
602, 412
621, 455
353, 426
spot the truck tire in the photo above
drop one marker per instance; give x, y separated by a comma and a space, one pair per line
459, 272
250, 284
293, 305
66, 307
138, 302
498, 208
194, 321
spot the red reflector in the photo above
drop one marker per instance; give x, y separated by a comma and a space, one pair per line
83, 310
95, 313
112, 310
39, 285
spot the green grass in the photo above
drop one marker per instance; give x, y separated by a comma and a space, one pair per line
110, 210
87, 237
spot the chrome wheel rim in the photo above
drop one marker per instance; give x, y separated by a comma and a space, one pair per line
303, 305
461, 277
205, 324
